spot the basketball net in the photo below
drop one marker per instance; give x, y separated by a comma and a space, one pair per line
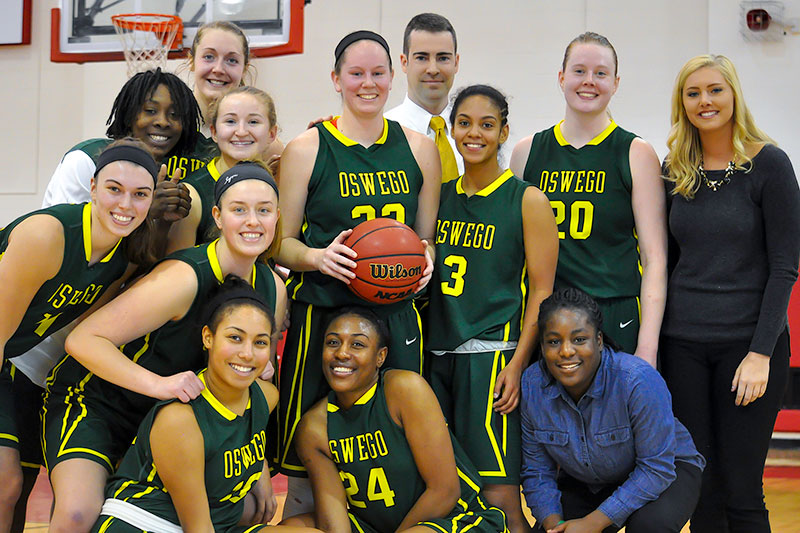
147, 38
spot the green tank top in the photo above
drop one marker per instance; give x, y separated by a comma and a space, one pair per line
590, 191
75, 287
174, 347
204, 151
351, 184
376, 464
479, 284
204, 180
234, 459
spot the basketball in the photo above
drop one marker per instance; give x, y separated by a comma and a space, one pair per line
390, 260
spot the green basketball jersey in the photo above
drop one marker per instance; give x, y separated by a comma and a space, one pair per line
376, 464
351, 184
204, 180
204, 150
92, 147
75, 287
479, 284
234, 459
590, 191
174, 347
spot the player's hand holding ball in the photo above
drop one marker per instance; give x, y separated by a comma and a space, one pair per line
337, 259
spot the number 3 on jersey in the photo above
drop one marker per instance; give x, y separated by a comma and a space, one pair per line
581, 216
394, 210
377, 488
455, 285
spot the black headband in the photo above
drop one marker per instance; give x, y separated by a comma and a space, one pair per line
240, 293
361, 35
240, 172
125, 152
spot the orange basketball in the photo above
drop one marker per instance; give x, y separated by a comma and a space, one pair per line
390, 260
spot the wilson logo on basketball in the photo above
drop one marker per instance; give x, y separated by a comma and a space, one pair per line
398, 271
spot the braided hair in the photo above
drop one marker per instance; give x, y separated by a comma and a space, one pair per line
577, 300
141, 87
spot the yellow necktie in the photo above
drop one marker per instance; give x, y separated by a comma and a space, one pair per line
449, 165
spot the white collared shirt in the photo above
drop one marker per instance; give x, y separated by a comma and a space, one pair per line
414, 117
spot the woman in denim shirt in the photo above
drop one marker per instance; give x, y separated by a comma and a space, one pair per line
600, 446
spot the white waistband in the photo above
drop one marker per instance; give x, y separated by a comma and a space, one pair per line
138, 517
478, 346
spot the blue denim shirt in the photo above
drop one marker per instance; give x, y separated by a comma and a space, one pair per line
621, 432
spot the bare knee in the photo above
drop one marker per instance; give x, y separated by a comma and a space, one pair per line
78, 495
76, 517
11, 474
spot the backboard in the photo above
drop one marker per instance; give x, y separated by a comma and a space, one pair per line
81, 30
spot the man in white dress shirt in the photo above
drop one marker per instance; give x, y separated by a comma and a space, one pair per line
430, 62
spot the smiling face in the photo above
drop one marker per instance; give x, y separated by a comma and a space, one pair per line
351, 357
364, 78
478, 129
430, 67
158, 124
589, 79
247, 216
708, 100
121, 196
218, 64
239, 349
571, 348
242, 129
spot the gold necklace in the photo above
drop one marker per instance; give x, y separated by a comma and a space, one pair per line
716, 184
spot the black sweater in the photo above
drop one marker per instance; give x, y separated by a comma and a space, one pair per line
735, 253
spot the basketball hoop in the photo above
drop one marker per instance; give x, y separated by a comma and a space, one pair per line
147, 38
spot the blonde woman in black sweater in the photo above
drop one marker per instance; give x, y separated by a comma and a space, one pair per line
734, 223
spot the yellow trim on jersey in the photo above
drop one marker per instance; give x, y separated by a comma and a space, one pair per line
144, 492
489, 189
67, 433
9, 436
86, 218
524, 290
474, 486
354, 520
217, 405
299, 373
104, 526
497, 365
212, 169
594, 142
124, 486
367, 396
342, 138
213, 260
421, 338
141, 351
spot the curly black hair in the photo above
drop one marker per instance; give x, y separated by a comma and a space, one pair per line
139, 89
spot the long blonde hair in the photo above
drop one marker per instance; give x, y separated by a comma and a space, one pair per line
685, 149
